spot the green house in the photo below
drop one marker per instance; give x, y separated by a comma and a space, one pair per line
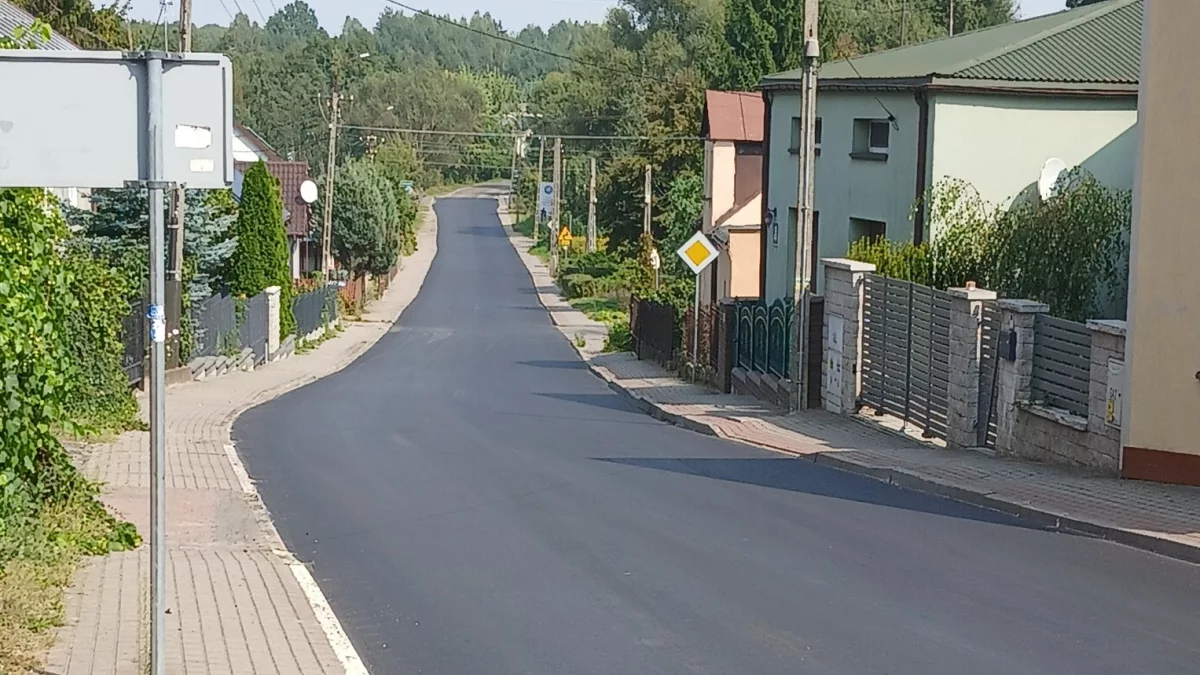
989, 107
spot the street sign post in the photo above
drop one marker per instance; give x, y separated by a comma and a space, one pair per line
545, 201
116, 119
697, 253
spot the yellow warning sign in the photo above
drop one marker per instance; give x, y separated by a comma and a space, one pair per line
564, 237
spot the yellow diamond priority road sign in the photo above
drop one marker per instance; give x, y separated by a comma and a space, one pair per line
697, 252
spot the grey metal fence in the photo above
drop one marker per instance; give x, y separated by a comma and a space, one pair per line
1062, 363
310, 311
214, 323
989, 364
254, 325
906, 352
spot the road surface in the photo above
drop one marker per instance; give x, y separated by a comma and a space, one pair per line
474, 502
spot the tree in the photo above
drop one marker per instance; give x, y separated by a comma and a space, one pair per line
117, 230
750, 40
81, 22
1072, 4
261, 258
361, 241
295, 21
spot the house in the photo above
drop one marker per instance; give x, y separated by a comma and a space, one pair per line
1160, 429
12, 17
248, 148
732, 127
989, 107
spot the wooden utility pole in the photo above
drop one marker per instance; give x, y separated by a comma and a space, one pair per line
591, 224
173, 271
330, 166
555, 216
802, 287
538, 189
646, 204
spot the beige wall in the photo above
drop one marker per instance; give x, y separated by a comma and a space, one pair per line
745, 250
999, 143
1163, 352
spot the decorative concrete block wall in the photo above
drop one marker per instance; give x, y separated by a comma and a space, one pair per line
272, 320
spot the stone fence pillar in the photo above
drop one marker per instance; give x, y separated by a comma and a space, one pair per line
272, 320
962, 391
1108, 371
841, 378
1014, 371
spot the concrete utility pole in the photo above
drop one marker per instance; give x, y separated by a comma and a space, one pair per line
591, 225
646, 203
951, 26
330, 166
554, 217
802, 287
538, 190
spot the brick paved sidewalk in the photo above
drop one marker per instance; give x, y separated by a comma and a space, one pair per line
238, 602
1160, 518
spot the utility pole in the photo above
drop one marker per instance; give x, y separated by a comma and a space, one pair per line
903, 22
951, 27
802, 287
591, 225
646, 204
178, 202
554, 218
331, 164
537, 214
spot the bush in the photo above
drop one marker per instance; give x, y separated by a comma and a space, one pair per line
619, 339
99, 399
578, 285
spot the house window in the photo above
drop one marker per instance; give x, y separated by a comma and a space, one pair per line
861, 228
872, 138
797, 136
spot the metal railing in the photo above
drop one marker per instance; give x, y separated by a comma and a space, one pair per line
655, 329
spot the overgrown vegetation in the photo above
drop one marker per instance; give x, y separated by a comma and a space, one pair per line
51, 293
1070, 251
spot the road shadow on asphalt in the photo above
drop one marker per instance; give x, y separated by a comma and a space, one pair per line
575, 364
795, 475
608, 401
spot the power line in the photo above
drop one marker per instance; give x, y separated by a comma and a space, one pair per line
260, 12
511, 41
501, 134
226, 8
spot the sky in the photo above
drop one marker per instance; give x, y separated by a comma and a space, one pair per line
512, 14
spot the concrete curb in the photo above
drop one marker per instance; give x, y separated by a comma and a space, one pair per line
1038, 517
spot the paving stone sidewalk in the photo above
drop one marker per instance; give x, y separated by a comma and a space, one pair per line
1160, 518
235, 597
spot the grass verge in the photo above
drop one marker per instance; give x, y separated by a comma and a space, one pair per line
40, 548
612, 314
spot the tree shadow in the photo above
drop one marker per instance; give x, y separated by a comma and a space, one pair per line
795, 475
574, 364
606, 401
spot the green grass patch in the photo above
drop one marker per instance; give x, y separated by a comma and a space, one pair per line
40, 548
611, 313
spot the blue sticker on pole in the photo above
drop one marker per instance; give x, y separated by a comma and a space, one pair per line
158, 324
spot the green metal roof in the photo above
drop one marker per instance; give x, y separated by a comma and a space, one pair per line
1098, 44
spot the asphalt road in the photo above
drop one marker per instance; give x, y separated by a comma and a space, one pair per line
475, 502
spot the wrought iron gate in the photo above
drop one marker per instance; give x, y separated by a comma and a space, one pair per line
906, 352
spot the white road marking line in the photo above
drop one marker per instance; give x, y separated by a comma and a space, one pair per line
341, 644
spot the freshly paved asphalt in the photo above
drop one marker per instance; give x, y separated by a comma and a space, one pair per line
475, 502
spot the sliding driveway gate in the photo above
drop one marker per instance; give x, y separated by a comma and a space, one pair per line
906, 352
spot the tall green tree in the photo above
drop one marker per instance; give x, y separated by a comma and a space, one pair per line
262, 257
362, 238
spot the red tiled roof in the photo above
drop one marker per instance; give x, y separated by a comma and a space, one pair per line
733, 116
290, 176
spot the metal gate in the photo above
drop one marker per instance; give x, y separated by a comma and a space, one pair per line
906, 352
989, 362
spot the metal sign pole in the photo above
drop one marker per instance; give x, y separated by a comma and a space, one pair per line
696, 329
158, 414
